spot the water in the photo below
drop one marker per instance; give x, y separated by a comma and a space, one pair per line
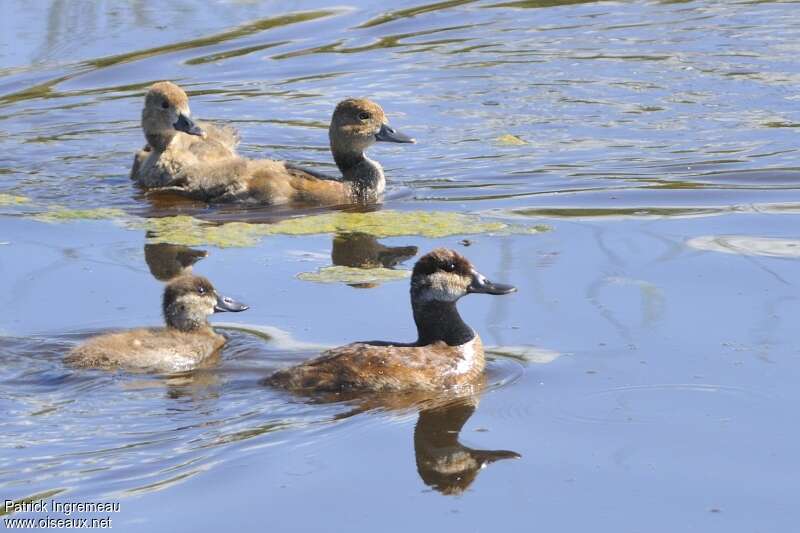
644, 375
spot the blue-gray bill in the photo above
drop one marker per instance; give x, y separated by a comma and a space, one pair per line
187, 125
391, 135
225, 303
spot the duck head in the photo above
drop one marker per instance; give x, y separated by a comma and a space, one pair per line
166, 112
445, 276
356, 125
438, 281
189, 300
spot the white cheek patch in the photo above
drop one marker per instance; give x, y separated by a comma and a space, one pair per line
196, 304
443, 288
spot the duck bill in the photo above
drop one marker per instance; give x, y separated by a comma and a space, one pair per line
390, 135
228, 304
481, 285
187, 125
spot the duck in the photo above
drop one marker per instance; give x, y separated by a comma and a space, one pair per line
447, 354
175, 142
185, 343
357, 124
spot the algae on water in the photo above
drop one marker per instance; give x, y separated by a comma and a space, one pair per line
67, 215
511, 140
12, 199
352, 275
190, 231
386, 223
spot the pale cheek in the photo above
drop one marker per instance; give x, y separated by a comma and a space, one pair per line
443, 288
195, 303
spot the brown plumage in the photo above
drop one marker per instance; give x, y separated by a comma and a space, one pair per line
175, 143
447, 353
356, 125
185, 343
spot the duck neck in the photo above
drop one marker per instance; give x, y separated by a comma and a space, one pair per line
159, 141
439, 321
186, 321
364, 175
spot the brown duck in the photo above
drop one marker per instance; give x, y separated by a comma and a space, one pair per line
356, 125
447, 353
175, 142
185, 342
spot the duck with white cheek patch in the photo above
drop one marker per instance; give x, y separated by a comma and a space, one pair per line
447, 353
185, 343
175, 142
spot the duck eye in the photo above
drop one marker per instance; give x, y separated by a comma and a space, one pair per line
450, 267
201, 290
165, 105
363, 115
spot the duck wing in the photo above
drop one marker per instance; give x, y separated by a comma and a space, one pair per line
138, 160
362, 366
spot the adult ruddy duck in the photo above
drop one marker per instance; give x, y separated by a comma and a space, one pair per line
174, 141
185, 342
447, 353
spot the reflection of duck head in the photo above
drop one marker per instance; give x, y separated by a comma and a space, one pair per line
168, 261
362, 250
443, 462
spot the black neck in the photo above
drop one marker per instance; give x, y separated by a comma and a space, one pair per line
365, 175
440, 321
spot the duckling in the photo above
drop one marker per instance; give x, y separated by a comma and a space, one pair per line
174, 141
447, 353
185, 342
356, 125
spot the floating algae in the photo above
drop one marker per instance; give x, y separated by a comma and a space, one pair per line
747, 245
528, 354
68, 215
12, 199
352, 275
510, 140
387, 223
190, 231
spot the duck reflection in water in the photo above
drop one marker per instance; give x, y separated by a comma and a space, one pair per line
443, 463
168, 261
361, 250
